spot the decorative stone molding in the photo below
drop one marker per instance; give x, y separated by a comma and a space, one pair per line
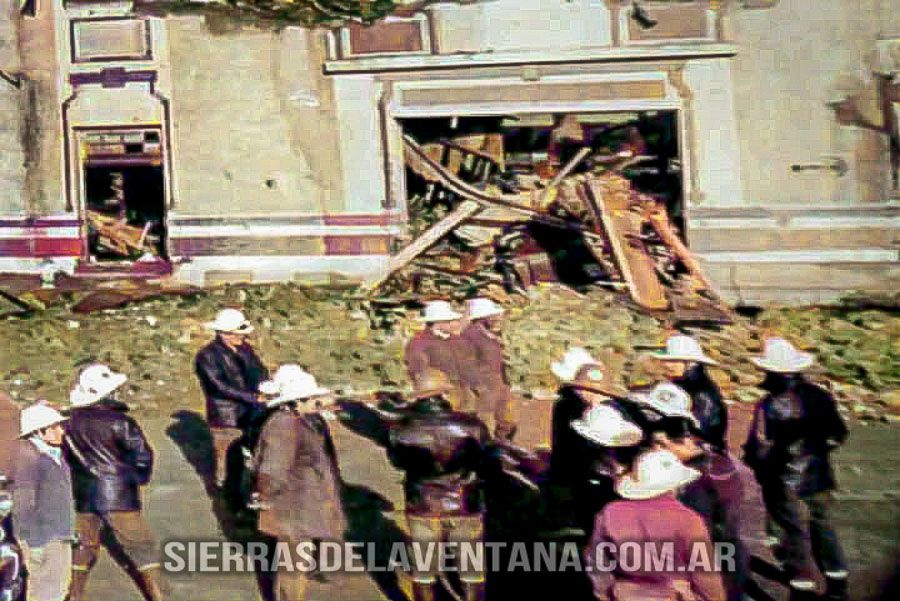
675, 77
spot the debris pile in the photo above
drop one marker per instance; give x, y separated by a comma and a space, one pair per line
590, 228
154, 342
117, 237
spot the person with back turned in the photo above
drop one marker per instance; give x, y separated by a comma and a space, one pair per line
110, 460
444, 455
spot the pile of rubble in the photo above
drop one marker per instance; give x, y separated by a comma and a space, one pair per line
353, 347
586, 229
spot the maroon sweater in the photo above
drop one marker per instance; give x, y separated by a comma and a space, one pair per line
658, 520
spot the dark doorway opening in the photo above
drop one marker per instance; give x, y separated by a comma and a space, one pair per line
528, 148
125, 205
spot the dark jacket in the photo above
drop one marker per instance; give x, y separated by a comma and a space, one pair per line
443, 452
109, 456
574, 459
298, 477
42, 497
230, 380
795, 428
706, 404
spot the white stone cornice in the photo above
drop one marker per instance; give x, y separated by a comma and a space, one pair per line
502, 59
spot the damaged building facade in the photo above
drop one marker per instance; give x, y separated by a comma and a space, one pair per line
216, 152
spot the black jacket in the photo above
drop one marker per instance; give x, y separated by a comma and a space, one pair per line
230, 380
109, 458
795, 428
443, 453
706, 404
574, 459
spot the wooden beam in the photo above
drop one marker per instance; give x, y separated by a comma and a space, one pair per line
512, 203
663, 227
636, 266
564, 172
432, 236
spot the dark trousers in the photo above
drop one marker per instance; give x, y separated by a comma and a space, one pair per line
721, 510
809, 538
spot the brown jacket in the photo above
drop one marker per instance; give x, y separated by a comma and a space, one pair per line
442, 453
9, 433
489, 365
298, 477
454, 356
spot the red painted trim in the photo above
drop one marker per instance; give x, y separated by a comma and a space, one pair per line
345, 220
39, 247
378, 244
349, 219
38, 222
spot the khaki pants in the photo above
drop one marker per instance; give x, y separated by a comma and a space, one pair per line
129, 529
427, 529
49, 570
223, 438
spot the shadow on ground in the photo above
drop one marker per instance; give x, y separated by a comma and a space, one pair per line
191, 434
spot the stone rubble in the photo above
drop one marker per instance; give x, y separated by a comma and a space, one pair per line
332, 334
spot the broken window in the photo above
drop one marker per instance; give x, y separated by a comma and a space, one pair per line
124, 195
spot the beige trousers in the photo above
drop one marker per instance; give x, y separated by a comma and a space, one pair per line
49, 570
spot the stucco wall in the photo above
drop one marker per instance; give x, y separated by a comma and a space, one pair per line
714, 142
792, 60
12, 170
504, 25
254, 122
31, 130
362, 161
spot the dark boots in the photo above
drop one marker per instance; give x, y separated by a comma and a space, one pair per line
835, 589
78, 584
473, 591
148, 580
423, 591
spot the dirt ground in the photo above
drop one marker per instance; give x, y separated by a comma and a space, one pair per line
178, 507
154, 344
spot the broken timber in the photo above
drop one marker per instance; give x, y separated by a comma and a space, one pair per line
564, 172
611, 217
454, 184
24, 308
432, 236
636, 266
118, 236
663, 228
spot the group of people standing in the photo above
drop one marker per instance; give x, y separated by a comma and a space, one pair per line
650, 465
76, 481
653, 464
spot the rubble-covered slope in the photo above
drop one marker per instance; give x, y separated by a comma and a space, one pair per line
154, 343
